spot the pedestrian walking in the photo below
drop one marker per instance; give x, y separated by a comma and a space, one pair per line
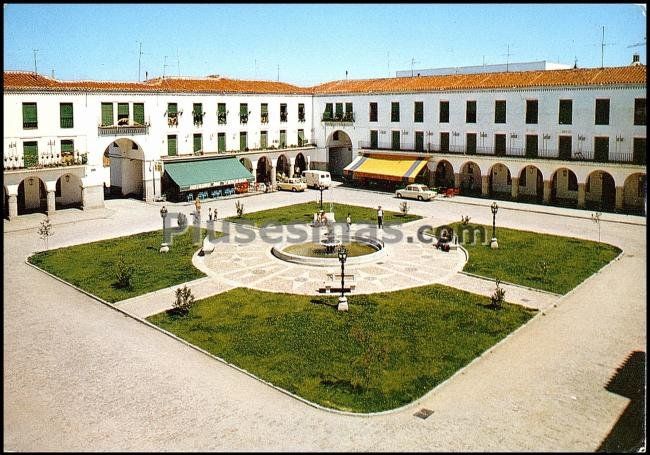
210, 214
348, 221
380, 217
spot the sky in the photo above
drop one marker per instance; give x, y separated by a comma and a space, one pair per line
308, 44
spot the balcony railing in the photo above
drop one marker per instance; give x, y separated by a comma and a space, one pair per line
118, 130
43, 161
198, 118
221, 118
513, 152
347, 117
172, 120
283, 116
265, 118
243, 119
67, 123
30, 125
301, 117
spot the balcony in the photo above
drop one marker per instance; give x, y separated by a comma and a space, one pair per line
283, 116
301, 117
30, 125
221, 118
122, 130
243, 119
172, 120
44, 161
197, 118
67, 123
265, 118
339, 117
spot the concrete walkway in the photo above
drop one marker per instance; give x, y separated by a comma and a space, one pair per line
80, 376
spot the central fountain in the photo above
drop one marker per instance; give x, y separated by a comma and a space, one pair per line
330, 242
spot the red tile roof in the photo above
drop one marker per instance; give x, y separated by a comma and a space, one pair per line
521, 79
26, 81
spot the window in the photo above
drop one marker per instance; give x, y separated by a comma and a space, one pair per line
283, 112
283, 138
500, 111
500, 144
444, 111
394, 112
243, 140
566, 108
470, 112
374, 139
301, 112
243, 113
65, 115
602, 112
601, 149
349, 117
531, 146
531, 112
30, 154
264, 110
419, 141
221, 113
418, 115
373, 112
138, 113
221, 142
565, 147
329, 112
107, 114
171, 145
30, 116
639, 111
264, 141
67, 151
197, 114
638, 150
301, 138
395, 140
471, 144
339, 111
172, 114
198, 143
444, 142
122, 113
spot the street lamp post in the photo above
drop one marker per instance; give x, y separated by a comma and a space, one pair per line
164, 248
495, 208
343, 301
321, 187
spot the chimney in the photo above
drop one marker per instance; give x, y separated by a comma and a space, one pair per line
636, 60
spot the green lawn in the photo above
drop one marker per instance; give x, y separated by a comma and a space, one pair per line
304, 213
92, 266
388, 350
542, 261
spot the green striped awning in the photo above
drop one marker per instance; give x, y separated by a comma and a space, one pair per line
196, 175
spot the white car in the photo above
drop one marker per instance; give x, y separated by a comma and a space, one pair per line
292, 184
416, 191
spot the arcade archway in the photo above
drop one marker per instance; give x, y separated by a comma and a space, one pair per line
339, 151
125, 160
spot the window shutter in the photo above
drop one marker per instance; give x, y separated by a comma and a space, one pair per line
172, 109
243, 109
66, 115
222, 108
107, 114
123, 110
242, 141
301, 137
197, 109
265, 108
30, 154
222, 142
171, 145
67, 146
263, 139
138, 113
197, 142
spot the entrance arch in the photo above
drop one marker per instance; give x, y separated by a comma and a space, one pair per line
443, 175
634, 192
300, 164
531, 184
564, 187
470, 178
125, 159
600, 191
339, 152
68, 192
283, 166
32, 196
500, 181
247, 164
263, 172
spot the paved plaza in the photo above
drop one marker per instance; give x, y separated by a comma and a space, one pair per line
80, 376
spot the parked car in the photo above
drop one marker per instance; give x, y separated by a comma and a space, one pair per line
293, 184
416, 191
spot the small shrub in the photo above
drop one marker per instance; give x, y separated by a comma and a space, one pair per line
184, 300
496, 301
181, 220
240, 209
45, 231
124, 274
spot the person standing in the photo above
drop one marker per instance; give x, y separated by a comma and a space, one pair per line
380, 217
348, 221
210, 214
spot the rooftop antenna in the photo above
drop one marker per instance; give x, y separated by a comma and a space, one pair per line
575, 63
412, 63
508, 58
637, 44
178, 63
165, 66
35, 67
602, 49
52, 73
346, 75
139, 60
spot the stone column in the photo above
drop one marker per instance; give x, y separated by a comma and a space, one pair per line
307, 162
13, 206
457, 180
254, 171
51, 202
273, 175
515, 187
292, 163
485, 185
581, 195
547, 191
620, 195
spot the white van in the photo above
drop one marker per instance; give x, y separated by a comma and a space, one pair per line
315, 178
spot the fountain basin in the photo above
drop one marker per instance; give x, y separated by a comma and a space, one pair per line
370, 250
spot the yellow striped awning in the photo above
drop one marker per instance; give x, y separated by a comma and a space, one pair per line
384, 168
